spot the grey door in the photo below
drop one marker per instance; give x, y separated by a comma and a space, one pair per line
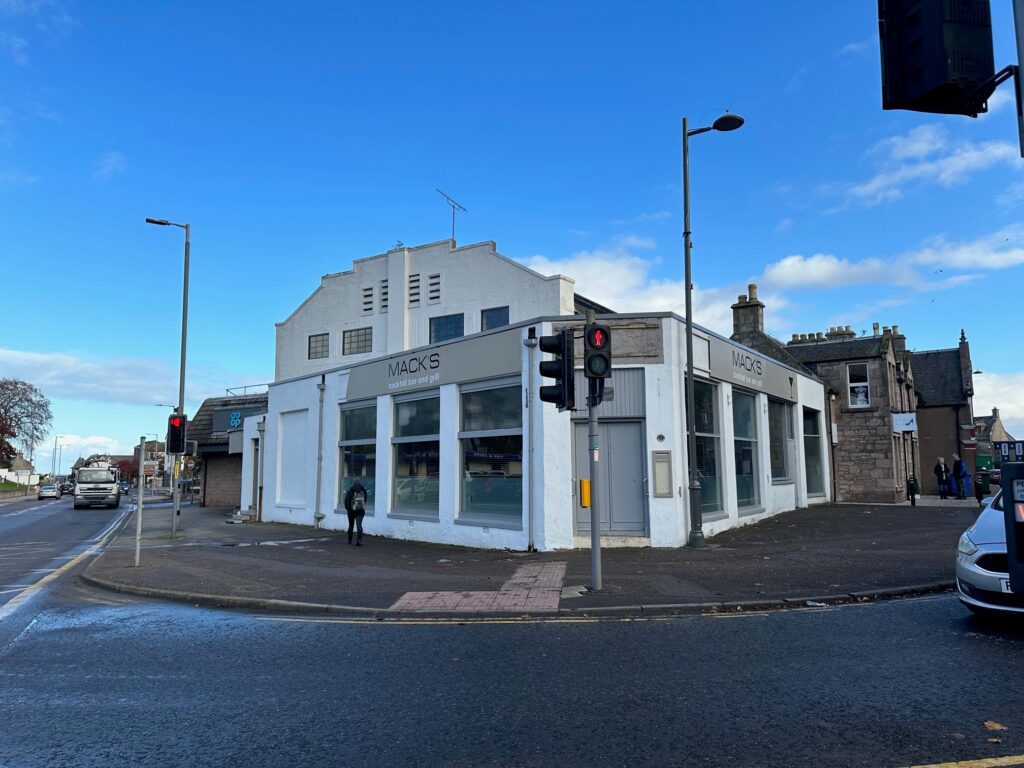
621, 488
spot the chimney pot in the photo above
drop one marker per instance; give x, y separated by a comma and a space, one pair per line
819, 335
885, 330
741, 299
803, 337
874, 328
895, 330
752, 291
796, 337
995, 412
849, 329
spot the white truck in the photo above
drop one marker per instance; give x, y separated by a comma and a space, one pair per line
97, 484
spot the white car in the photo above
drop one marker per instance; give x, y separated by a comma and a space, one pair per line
48, 492
982, 568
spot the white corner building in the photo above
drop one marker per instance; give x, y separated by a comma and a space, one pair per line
417, 373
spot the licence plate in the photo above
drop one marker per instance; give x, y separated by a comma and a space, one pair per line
1004, 584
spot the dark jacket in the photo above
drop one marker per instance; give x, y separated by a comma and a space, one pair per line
942, 473
355, 488
960, 469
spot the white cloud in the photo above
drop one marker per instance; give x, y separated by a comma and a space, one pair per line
11, 179
109, 164
999, 250
644, 217
823, 269
784, 226
1004, 391
127, 381
617, 277
1012, 196
1000, 99
857, 48
16, 47
923, 155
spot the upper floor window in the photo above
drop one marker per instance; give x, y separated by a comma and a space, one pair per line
318, 346
493, 318
446, 327
357, 341
858, 385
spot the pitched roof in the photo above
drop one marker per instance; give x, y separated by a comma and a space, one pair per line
938, 378
840, 349
771, 347
200, 427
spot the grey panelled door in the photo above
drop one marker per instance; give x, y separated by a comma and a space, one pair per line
622, 501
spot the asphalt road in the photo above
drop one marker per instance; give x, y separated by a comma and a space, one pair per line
97, 679
37, 537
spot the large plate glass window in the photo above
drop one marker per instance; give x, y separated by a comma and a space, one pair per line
812, 453
446, 327
417, 456
780, 439
744, 418
491, 443
709, 472
858, 385
493, 318
357, 449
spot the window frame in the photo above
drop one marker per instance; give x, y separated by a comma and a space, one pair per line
345, 335
319, 337
483, 316
753, 442
396, 510
850, 385
787, 442
438, 318
702, 437
344, 443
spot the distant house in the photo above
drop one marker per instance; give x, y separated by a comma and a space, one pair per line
216, 429
995, 444
944, 383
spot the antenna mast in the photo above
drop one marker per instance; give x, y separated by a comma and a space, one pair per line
456, 206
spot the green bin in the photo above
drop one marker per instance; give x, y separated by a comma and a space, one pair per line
913, 487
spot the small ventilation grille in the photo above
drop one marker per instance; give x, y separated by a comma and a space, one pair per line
383, 296
414, 290
367, 300
434, 289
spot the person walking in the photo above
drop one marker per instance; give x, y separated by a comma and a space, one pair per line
960, 476
942, 475
355, 505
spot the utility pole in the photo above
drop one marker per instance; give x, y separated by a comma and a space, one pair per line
138, 497
595, 468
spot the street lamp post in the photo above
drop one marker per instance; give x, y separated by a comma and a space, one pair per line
727, 122
181, 372
53, 458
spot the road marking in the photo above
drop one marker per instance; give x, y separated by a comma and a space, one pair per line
407, 621
985, 762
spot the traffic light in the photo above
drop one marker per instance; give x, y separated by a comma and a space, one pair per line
562, 393
936, 55
597, 351
177, 429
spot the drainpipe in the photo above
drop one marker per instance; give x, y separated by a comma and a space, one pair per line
318, 516
261, 428
531, 344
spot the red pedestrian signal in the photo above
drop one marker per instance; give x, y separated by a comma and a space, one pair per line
177, 430
597, 352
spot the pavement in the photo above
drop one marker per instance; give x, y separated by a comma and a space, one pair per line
822, 555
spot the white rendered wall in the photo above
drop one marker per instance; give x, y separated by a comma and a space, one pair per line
250, 433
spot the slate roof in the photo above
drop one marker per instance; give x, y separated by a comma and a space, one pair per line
840, 349
938, 379
200, 427
771, 347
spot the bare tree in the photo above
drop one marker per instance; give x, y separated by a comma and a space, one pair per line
25, 411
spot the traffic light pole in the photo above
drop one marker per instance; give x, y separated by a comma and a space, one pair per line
1018, 23
595, 493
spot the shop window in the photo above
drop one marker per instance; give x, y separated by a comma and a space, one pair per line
491, 443
812, 453
780, 438
417, 457
706, 456
446, 327
357, 448
744, 416
357, 341
493, 318
858, 385
318, 346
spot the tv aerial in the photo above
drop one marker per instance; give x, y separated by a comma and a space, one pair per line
456, 206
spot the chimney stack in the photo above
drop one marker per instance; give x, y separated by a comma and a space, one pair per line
995, 413
874, 328
748, 313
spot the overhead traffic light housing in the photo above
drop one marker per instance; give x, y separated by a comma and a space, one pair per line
563, 392
177, 431
597, 351
936, 55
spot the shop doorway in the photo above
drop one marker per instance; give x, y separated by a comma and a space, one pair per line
623, 500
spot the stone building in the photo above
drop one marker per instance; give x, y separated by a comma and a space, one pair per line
944, 383
870, 383
995, 444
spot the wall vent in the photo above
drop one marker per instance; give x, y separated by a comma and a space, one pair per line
383, 296
368, 300
434, 289
414, 290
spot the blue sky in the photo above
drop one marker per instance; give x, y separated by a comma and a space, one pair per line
295, 139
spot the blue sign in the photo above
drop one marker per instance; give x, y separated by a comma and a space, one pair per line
235, 419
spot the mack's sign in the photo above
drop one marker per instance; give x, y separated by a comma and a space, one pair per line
749, 370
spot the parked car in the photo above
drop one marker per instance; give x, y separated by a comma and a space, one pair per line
48, 492
982, 568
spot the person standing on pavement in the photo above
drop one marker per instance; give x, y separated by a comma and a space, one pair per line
355, 505
942, 474
960, 476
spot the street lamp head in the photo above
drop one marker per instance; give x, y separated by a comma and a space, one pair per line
161, 222
727, 122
